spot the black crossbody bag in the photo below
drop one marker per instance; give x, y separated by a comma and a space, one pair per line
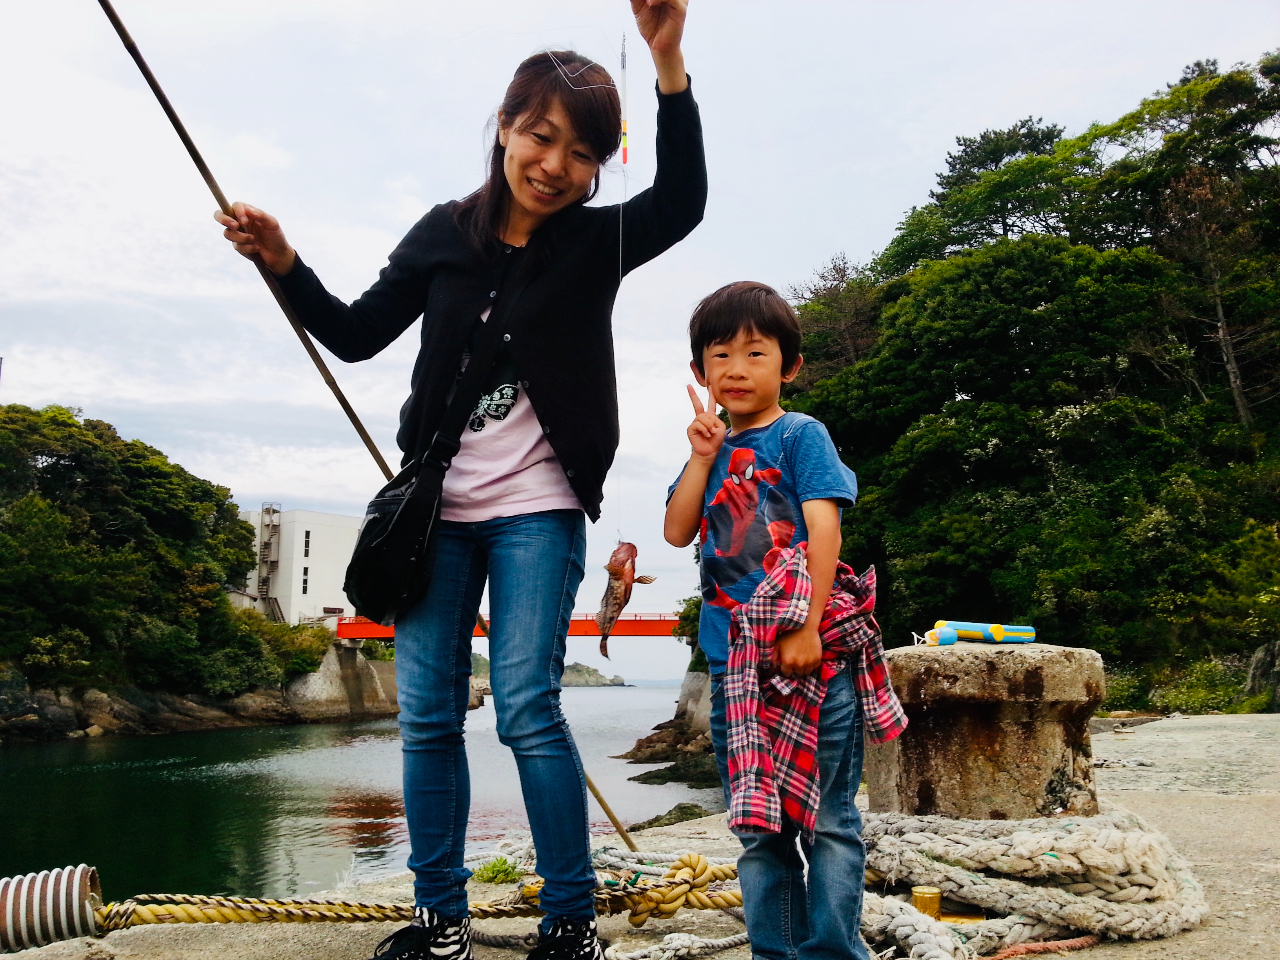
390, 568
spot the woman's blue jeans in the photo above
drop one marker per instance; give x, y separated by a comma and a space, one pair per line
787, 916
533, 564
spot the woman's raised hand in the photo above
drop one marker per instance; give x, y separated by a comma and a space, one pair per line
256, 231
661, 23
706, 433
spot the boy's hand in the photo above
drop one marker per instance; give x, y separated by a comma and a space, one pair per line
798, 653
706, 433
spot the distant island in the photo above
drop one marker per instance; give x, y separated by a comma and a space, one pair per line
575, 674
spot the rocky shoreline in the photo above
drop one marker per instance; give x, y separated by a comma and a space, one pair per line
346, 687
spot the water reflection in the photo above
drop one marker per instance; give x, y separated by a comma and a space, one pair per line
368, 823
280, 811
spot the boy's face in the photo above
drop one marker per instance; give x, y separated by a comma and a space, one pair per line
745, 373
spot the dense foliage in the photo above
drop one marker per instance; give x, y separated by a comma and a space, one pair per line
113, 562
1056, 383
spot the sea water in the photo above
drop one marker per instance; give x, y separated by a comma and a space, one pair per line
287, 811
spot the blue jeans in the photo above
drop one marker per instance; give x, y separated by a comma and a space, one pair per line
533, 564
789, 917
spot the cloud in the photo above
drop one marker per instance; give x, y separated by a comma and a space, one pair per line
824, 122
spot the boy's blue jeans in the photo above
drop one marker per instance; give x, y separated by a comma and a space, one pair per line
787, 917
533, 564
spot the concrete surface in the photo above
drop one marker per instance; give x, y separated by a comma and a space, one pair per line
996, 732
1214, 789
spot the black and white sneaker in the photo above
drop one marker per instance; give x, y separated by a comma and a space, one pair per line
429, 936
568, 940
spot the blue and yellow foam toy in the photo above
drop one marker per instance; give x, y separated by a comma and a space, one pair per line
947, 632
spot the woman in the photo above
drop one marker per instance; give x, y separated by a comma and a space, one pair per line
533, 458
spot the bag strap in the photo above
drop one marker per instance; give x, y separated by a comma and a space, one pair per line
486, 342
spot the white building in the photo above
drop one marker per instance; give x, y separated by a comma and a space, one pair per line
302, 560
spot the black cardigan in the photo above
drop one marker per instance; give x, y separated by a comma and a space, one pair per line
561, 333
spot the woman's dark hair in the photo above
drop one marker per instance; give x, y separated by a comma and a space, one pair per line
589, 97
750, 306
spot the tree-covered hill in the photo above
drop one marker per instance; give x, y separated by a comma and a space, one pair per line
113, 562
1057, 382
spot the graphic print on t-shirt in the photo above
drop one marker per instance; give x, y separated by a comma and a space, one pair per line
746, 520
494, 405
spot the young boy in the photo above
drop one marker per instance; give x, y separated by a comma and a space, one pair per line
771, 482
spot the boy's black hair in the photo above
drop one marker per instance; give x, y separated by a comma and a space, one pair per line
745, 305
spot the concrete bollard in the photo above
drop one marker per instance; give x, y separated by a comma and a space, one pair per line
996, 732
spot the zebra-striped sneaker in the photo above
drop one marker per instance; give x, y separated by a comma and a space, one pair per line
429, 936
568, 940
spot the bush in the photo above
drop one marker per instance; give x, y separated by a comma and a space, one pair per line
57, 657
1259, 704
377, 650
1205, 686
690, 613
293, 648
1127, 689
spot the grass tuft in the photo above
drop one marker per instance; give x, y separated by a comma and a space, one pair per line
497, 870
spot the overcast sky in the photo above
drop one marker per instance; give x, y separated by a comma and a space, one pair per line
824, 122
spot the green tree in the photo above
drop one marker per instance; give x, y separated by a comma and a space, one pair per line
113, 562
1020, 459
839, 316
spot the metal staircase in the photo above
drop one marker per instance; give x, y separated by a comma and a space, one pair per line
269, 560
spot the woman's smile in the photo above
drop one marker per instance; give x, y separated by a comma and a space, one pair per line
543, 188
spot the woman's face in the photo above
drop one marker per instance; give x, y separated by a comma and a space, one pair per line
547, 166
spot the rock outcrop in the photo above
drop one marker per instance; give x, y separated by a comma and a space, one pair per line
346, 687
581, 675
1264, 674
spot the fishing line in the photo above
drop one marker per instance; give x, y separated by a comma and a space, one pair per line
622, 100
569, 77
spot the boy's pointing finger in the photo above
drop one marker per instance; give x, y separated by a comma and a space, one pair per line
693, 395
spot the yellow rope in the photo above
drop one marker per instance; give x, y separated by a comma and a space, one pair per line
686, 884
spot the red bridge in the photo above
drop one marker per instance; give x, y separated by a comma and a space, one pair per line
580, 625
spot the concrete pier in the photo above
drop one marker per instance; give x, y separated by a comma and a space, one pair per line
997, 732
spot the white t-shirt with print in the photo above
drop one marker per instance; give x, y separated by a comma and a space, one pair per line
504, 466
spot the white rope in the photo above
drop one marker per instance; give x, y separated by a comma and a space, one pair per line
679, 945
1110, 875
1046, 879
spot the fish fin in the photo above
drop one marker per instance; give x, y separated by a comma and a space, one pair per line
645, 580
600, 618
615, 569
604, 647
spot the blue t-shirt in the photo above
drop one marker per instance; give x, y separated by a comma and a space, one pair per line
753, 498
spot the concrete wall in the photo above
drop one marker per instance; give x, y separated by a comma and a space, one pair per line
346, 687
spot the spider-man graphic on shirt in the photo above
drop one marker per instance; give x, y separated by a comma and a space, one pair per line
746, 520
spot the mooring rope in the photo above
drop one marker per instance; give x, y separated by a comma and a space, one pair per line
1052, 885
691, 882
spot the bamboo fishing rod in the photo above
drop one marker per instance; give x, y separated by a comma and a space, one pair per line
270, 280
267, 276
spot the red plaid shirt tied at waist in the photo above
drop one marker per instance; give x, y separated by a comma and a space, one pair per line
772, 720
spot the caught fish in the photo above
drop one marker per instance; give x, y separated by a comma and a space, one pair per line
617, 593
